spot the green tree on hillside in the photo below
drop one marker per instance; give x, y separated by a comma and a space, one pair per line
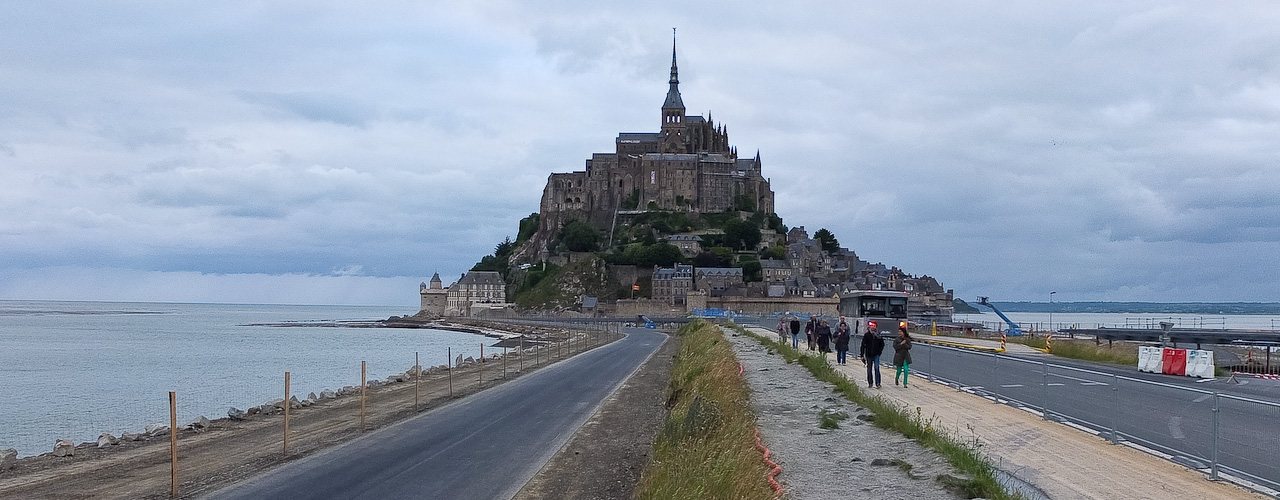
742, 235
827, 240
578, 236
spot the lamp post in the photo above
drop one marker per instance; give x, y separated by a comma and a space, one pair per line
1051, 312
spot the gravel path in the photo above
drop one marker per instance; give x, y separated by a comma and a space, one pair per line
857, 459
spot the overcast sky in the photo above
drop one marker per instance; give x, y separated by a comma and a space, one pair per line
338, 152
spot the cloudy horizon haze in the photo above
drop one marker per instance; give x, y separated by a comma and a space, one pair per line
336, 153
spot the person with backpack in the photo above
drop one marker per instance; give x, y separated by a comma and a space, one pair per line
902, 356
842, 342
872, 347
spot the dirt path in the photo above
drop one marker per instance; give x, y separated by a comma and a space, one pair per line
605, 458
854, 459
233, 450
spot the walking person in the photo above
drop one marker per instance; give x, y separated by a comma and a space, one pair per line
872, 347
811, 331
902, 356
824, 338
795, 332
842, 342
782, 329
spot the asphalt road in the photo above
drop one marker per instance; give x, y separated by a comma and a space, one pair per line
485, 446
1173, 415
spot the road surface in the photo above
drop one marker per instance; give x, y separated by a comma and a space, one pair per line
485, 446
1173, 416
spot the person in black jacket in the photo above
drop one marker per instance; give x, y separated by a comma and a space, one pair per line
872, 346
842, 342
811, 331
824, 337
795, 332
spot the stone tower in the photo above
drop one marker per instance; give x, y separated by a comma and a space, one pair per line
434, 297
673, 126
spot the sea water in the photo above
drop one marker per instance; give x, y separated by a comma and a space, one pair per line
72, 370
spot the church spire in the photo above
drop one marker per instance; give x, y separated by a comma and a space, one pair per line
673, 95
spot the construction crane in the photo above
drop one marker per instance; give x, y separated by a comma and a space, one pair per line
1013, 330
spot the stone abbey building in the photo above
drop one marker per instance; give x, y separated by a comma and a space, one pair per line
688, 165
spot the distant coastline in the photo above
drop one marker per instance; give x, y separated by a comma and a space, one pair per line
1209, 308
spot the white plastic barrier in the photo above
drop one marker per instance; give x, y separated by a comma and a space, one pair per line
1144, 359
1199, 363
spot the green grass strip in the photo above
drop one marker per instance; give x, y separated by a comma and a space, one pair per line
706, 449
964, 455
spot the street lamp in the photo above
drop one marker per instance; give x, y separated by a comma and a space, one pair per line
1051, 312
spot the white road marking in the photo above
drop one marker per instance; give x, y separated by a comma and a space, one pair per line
1011, 385
1077, 379
1056, 385
1175, 428
1094, 383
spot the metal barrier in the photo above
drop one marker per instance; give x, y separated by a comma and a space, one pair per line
1223, 435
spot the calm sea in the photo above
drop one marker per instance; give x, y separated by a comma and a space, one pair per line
1040, 321
75, 369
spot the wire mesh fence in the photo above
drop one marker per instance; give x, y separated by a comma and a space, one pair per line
1223, 435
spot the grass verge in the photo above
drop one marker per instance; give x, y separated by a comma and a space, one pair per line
964, 455
706, 449
1119, 353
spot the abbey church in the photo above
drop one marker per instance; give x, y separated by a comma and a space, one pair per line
688, 165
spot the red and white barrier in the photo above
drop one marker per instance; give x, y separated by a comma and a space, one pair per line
1185, 362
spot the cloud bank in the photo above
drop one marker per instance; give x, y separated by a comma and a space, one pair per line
1123, 151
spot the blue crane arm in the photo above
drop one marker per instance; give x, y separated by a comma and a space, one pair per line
1013, 327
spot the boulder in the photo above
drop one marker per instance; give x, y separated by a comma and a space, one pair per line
106, 439
469, 361
312, 397
328, 394
253, 411
201, 424
154, 430
129, 436
64, 448
294, 403
236, 414
8, 458
276, 403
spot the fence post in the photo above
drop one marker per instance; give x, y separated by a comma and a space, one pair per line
930, 374
1115, 403
1213, 469
1044, 408
504, 362
286, 413
481, 365
522, 353
173, 444
995, 375
417, 374
449, 363
364, 389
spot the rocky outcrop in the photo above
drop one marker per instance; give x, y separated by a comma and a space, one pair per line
236, 414
64, 448
201, 424
106, 439
8, 458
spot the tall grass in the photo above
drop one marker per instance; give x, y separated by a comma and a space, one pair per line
964, 455
706, 449
1119, 353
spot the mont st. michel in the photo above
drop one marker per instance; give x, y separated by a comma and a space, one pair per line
666, 223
